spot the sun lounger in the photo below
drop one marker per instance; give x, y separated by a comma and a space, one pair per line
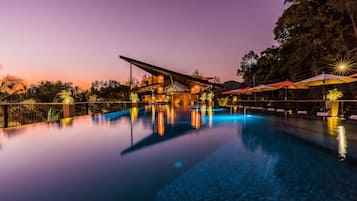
322, 114
270, 109
304, 112
354, 117
280, 110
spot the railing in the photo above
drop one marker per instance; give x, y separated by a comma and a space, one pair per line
15, 114
311, 107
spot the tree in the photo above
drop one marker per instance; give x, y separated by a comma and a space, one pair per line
47, 91
311, 35
248, 68
349, 7
117, 92
11, 85
269, 67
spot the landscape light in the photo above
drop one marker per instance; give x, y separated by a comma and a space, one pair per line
343, 66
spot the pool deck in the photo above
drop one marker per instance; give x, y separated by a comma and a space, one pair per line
335, 135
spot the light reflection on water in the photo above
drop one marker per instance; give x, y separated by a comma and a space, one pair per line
130, 154
136, 153
342, 142
335, 128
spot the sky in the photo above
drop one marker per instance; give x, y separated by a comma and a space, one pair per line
80, 40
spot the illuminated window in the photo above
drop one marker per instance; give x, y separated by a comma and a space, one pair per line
160, 79
160, 90
196, 89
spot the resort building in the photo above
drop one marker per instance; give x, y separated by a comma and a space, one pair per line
164, 85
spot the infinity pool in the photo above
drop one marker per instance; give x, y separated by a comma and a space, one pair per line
162, 154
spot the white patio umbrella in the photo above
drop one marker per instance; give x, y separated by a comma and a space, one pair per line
261, 88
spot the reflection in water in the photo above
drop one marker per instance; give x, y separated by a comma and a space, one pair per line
168, 130
235, 109
203, 113
147, 108
335, 129
342, 142
66, 122
134, 112
203, 110
170, 112
210, 115
332, 123
153, 108
160, 123
195, 118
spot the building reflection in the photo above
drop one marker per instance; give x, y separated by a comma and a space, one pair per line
195, 118
153, 114
160, 123
170, 112
166, 129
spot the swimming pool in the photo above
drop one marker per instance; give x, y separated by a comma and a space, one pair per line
167, 154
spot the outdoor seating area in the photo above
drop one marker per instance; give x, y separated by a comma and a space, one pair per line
327, 106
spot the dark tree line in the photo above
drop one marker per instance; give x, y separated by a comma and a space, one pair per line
14, 89
311, 34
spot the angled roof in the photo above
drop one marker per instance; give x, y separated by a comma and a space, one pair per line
184, 79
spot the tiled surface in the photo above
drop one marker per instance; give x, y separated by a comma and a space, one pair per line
282, 171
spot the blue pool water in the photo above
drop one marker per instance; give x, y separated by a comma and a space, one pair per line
167, 154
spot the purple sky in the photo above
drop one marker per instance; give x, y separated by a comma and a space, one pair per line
80, 40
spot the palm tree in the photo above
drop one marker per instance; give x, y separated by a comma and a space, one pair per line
10, 85
65, 96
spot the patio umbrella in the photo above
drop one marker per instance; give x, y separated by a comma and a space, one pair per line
287, 85
353, 75
238, 91
326, 79
261, 88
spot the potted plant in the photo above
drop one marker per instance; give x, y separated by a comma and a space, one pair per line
332, 97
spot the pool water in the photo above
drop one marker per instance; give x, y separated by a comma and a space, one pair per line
163, 153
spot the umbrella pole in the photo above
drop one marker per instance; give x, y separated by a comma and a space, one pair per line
324, 97
286, 93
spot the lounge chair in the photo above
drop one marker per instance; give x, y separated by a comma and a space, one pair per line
353, 117
322, 114
270, 109
301, 112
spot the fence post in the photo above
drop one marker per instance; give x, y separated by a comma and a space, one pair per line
6, 115
87, 108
